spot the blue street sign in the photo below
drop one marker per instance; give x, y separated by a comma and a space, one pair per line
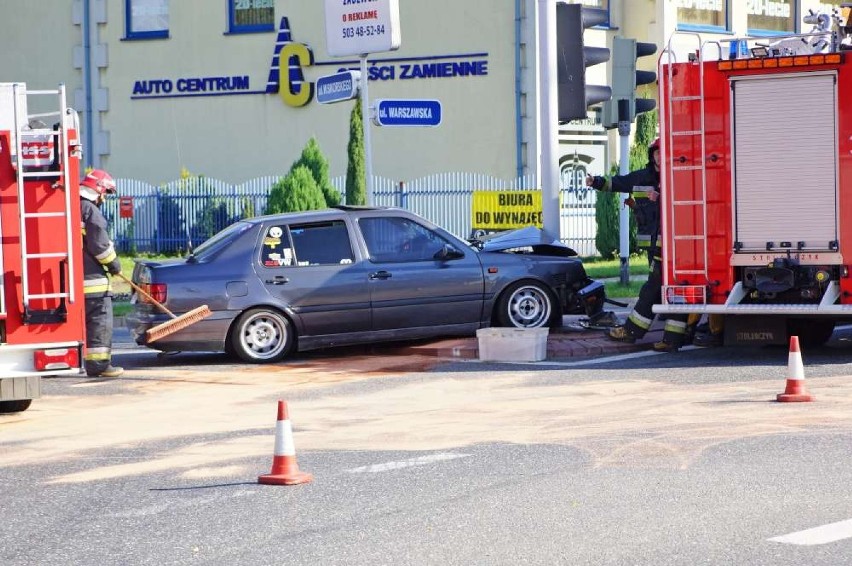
407, 113
338, 87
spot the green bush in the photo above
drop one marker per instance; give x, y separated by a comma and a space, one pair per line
316, 163
296, 192
606, 216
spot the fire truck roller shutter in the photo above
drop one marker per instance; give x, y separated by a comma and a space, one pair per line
785, 151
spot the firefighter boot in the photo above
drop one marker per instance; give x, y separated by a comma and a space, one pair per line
111, 371
620, 334
708, 340
663, 346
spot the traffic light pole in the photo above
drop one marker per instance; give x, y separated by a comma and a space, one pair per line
549, 89
623, 169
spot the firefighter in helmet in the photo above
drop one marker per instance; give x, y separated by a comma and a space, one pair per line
643, 188
99, 258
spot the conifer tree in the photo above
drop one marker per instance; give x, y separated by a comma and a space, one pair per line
356, 176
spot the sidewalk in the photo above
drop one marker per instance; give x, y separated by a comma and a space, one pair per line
566, 342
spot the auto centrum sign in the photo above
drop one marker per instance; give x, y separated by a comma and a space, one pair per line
287, 68
506, 210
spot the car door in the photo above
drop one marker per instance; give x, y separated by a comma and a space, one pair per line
409, 287
312, 268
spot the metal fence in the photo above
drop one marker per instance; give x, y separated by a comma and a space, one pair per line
173, 217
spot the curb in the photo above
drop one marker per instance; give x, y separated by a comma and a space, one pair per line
561, 344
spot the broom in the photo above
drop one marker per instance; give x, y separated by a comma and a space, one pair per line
176, 323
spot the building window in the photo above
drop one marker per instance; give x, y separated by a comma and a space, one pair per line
770, 18
702, 15
248, 16
146, 19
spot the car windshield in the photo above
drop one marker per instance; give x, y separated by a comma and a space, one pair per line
211, 246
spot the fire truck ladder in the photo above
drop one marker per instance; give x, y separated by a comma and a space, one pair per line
675, 292
24, 131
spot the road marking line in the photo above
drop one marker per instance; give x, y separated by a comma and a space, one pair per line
589, 361
119, 351
419, 461
825, 534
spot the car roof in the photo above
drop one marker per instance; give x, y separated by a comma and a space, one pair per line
308, 215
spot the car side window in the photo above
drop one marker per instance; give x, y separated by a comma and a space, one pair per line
276, 249
395, 239
321, 243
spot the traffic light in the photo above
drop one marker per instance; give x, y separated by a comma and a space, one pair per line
625, 79
573, 58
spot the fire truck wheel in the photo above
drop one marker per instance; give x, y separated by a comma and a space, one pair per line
262, 336
526, 304
15, 406
811, 331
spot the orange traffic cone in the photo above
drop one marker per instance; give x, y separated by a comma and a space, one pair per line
285, 470
795, 391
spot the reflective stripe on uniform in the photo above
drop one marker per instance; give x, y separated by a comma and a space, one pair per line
99, 285
97, 354
642, 322
107, 256
675, 326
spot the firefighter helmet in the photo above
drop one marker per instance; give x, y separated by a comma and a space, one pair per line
97, 184
655, 146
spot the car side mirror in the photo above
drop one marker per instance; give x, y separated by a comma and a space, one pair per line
448, 252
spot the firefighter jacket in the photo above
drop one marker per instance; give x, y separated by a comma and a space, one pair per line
98, 251
647, 212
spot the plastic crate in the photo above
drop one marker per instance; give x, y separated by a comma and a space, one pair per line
512, 344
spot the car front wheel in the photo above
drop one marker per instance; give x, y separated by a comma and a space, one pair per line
262, 336
525, 304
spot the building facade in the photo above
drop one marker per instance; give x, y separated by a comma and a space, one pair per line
226, 88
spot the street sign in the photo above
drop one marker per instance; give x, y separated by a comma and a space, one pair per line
390, 112
361, 27
338, 87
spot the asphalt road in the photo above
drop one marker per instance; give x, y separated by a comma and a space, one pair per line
644, 459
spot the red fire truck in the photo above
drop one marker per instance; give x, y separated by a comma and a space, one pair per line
757, 181
42, 313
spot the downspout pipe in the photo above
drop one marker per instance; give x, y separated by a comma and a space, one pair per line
519, 133
88, 124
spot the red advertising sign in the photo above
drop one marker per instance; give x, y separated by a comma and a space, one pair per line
125, 207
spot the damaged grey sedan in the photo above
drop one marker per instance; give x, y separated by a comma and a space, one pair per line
292, 282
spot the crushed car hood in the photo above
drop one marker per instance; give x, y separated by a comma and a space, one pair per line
530, 237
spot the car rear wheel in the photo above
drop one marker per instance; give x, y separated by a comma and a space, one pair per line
525, 304
262, 336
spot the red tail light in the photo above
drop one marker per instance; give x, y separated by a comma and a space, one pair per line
156, 290
56, 358
685, 295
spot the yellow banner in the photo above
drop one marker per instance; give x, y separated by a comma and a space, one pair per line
506, 210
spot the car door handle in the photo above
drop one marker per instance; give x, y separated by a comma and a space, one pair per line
278, 280
380, 275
